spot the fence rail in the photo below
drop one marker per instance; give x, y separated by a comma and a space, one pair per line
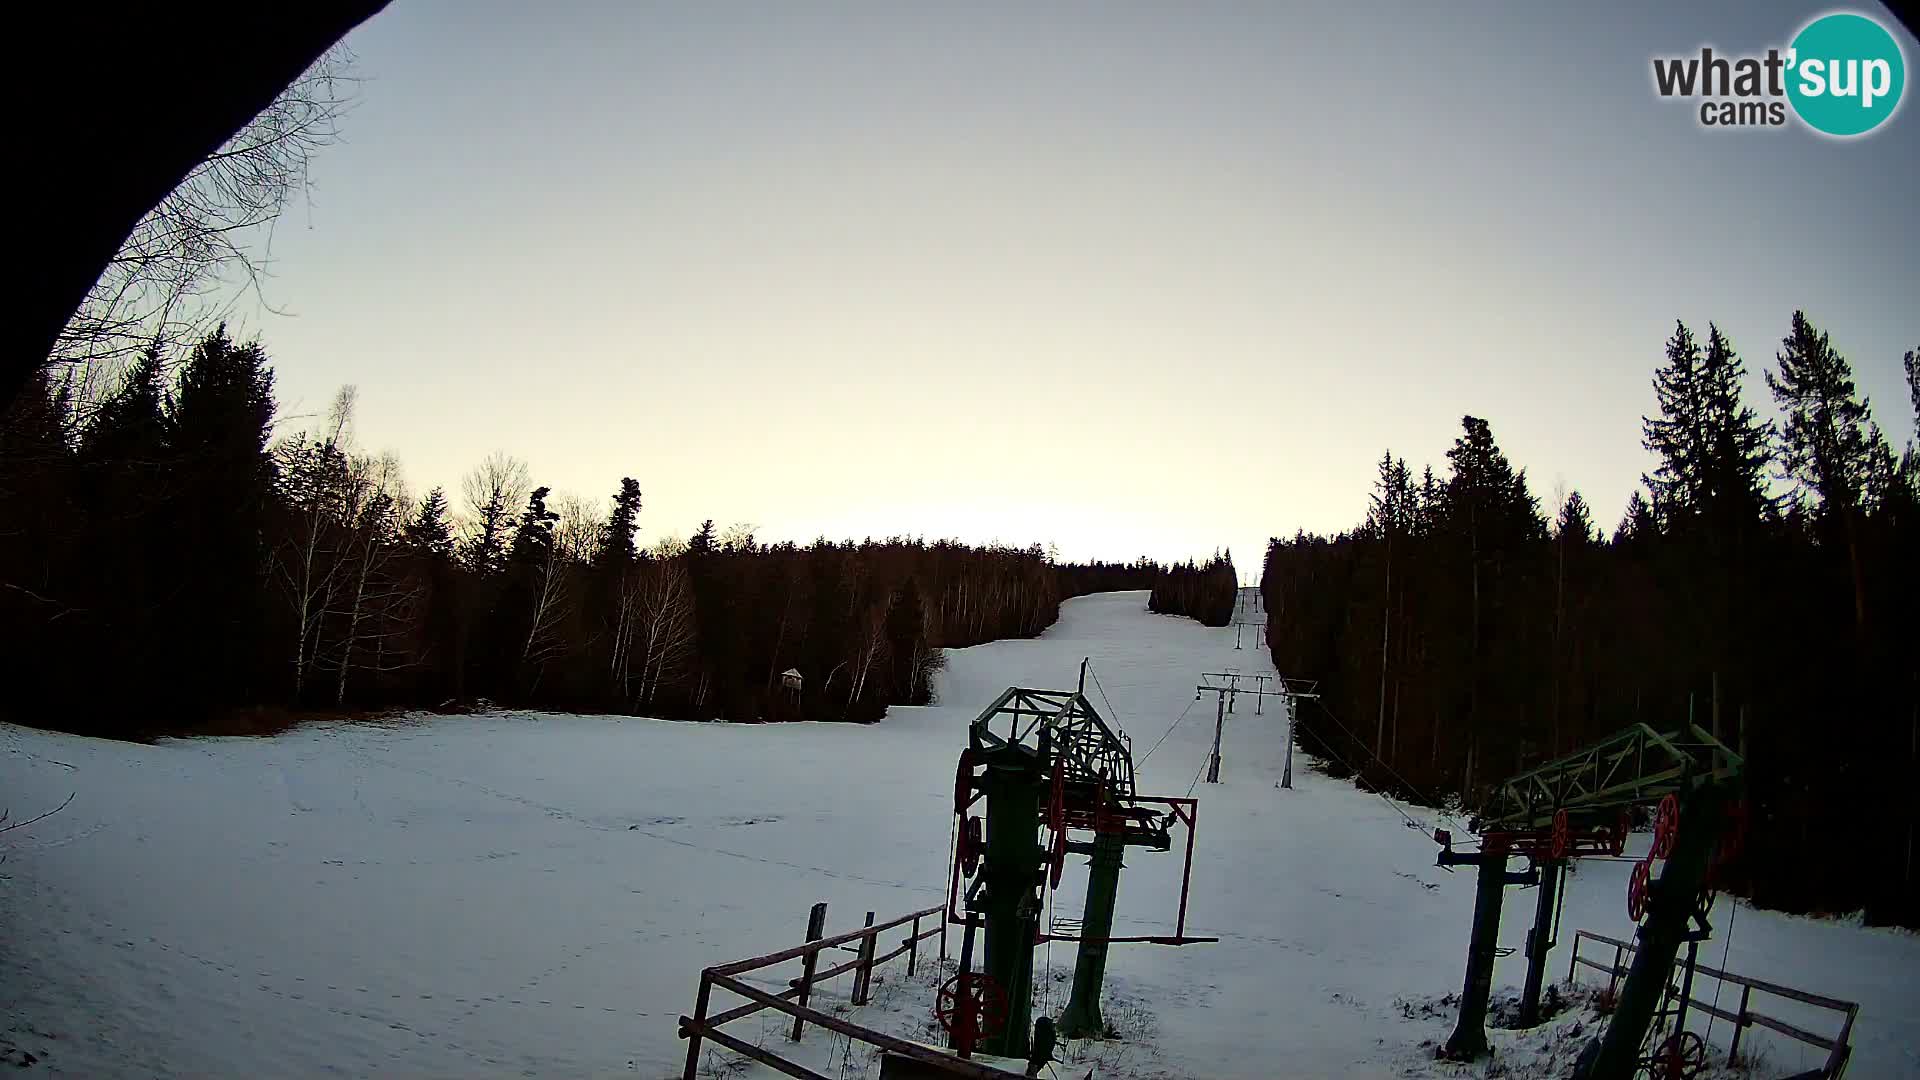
1838, 1047
703, 1026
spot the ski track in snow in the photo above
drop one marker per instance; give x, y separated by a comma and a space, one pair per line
527, 894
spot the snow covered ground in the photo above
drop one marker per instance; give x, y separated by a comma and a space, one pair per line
532, 894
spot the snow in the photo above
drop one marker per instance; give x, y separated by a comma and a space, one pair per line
535, 894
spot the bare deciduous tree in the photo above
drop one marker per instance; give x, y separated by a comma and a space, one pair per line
313, 477
206, 244
666, 628
494, 491
549, 610
371, 600
581, 528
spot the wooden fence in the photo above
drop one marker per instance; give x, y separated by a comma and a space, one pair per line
864, 944
1838, 1047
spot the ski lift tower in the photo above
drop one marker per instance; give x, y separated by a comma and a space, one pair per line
1047, 764
1581, 805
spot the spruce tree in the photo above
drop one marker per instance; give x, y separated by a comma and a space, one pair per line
218, 422
534, 539
1736, 443
128, 430
428, 532
616, 547
1678, 436
1637, 525
1826, 446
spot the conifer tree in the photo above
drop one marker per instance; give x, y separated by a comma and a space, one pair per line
217, 423
1828, 440
617, 546
428, 532
1678, 436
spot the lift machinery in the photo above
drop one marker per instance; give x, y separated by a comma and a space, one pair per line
1055, 779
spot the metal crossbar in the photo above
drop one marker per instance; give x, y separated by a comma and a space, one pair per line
1093, 751
1635, 764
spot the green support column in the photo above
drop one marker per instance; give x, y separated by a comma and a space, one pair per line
1540, 940
1670, 906
1082, 1019
1011, 868
1469, 1038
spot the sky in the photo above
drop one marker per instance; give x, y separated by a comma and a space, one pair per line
1127, 279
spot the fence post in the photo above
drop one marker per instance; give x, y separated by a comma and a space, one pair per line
863, 973
699, 1020
1572, 963
1739, 1024
943, 936
816, 926
913, 946
1613, 975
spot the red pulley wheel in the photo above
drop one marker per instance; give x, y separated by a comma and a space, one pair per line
1666, 827
1562, 834
1681, 1057
969, 1007
971, 846
1637, 886
963, 782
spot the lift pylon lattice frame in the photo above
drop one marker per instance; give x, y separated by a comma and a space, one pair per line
1580, 805
1634, 765
1046, 763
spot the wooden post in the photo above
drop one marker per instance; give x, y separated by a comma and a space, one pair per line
863, 970
699, 1017
913, 946
1574, 960
1739, 1024
943, 936
1613, 973
816, 926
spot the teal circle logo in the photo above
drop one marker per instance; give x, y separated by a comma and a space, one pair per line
1845, 74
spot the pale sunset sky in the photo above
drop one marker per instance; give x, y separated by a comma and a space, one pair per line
1131, 279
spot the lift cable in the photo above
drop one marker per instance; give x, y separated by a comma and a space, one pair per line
1411, 823
1722, 981
1417, 793
1197, 779
1111, 711
1169, 731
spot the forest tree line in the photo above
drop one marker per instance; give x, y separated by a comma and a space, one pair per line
1206, 593
1762, 584
172, 557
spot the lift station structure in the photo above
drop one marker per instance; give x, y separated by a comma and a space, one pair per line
1582, 805
1055, 779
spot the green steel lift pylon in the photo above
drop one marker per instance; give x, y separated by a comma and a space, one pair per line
1054, 751
1082, 1019
1011, 878
1577, 805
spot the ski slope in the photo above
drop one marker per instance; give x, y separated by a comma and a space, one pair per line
534, 894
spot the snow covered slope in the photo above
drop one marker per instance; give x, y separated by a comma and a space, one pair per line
530, 894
